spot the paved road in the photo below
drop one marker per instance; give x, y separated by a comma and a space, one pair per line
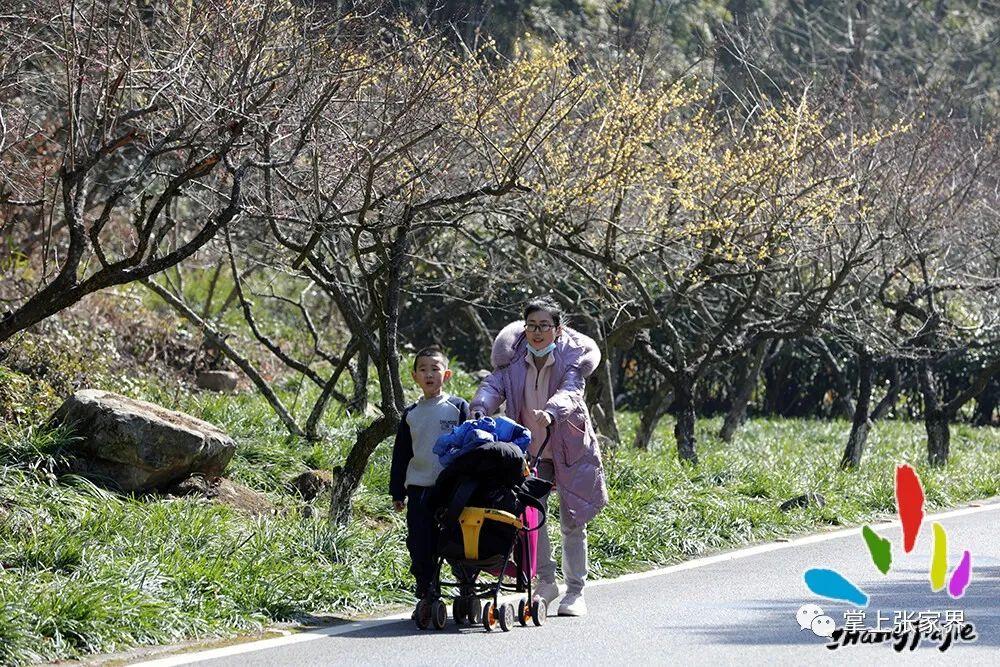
732, 611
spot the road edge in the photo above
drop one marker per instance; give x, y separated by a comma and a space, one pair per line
189, 656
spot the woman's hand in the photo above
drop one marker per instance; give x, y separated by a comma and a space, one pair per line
543, 417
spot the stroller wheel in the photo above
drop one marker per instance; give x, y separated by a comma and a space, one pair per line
439, 614
475, 610
523, 612
489, 616
460, 610
506, 616
423, 614
539, 611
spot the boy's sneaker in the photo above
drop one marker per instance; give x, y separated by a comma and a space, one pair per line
548, 591
573, 605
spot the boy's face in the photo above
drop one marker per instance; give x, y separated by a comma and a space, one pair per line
430, 374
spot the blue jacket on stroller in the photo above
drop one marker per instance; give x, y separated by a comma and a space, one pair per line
471, 434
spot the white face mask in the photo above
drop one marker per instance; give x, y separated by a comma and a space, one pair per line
542, 352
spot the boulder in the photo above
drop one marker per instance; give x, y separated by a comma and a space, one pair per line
134, 445
311, 483
222, 490
223, 381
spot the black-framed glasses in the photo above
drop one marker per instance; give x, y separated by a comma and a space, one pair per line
544, 326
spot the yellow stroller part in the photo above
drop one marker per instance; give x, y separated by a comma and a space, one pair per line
471, 520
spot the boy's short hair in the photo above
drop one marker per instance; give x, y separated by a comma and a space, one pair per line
430, 351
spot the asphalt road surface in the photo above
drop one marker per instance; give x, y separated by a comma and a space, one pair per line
736, 608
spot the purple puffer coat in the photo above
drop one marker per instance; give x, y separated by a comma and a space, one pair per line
573, 443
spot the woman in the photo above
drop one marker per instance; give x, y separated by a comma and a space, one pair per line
539, 371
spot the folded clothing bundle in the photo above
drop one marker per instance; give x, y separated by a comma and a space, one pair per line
475, 432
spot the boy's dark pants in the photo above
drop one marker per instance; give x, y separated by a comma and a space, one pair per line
421, 537
421, 540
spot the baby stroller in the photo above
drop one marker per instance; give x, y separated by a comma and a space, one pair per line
488, 511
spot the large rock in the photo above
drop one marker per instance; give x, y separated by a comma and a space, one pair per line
133, 445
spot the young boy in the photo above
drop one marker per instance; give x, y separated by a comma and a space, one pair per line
415, 466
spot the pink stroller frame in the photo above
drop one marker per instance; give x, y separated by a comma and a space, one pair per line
520, 564
529, 536
528, 562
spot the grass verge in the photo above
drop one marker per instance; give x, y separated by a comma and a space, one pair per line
83, 571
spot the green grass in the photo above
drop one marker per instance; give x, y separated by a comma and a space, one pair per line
86, 571
662, 511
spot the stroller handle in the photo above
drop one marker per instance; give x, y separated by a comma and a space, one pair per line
534, 459
533, 466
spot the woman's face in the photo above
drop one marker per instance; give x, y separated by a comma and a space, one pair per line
540, 329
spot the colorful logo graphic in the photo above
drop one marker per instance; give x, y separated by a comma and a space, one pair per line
910, 506
909, 629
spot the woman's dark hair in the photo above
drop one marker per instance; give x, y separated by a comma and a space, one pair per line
548, 306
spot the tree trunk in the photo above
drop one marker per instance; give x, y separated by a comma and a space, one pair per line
348, 478
843, 405
330, 388
46, 303
861, 423
986, 405
938, 437
775, 378
385, 299
888, 401
749, 371
206, 310
651, 415
935, 418
600, 399
359, 377
66, 289
684, 428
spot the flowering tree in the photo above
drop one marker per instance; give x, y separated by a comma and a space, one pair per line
418, 146
701, 239
938, 285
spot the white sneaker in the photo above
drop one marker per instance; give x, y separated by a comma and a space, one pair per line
547, 590
573, 605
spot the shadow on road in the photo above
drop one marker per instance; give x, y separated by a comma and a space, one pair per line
775, 618
405, 628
